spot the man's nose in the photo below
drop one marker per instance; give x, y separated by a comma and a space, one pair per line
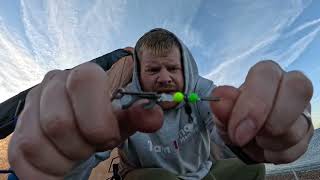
164, 77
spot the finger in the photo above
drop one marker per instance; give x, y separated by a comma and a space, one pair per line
22, 168
294, 95
223, 108
35, 147
255, 102
294, 134
58, 122
292, 153
90, 99
223, 133
254, 151
137, 118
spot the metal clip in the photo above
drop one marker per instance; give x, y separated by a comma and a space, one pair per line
127, 98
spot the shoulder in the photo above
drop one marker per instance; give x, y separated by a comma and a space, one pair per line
204, 86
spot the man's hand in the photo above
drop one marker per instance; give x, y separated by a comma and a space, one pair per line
67, 118
264, 116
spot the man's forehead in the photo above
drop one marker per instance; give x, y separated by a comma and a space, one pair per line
170, 57
163, 60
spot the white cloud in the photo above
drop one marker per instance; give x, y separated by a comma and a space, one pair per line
65, 33
189, 35
18, 71
247, 40
304, 26
217, 74
297, 48
177, 16
62, 34
315, 115
316, 99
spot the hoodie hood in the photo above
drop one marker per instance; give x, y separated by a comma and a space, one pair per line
190, 71
184, 125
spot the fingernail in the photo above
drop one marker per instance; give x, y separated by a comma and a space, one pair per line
244, 132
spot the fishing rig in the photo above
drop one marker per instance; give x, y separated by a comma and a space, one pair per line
127, 98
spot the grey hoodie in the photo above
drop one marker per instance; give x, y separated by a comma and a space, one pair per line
181, 145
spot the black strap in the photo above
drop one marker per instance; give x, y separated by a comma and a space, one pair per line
241, 155
115, 170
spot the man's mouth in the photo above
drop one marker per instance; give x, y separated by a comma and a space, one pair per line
167, 91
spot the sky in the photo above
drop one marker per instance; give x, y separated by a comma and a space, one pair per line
225, 37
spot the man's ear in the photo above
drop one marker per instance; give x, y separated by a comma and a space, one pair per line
138, 70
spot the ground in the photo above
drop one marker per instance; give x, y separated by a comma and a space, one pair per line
307, 175
103, 172
3, 156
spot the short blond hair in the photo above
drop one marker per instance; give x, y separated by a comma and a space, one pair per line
159, 41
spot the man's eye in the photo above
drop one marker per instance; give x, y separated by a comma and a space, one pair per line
153, 70
173, 69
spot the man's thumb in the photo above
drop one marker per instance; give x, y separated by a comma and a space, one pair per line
222, 109
137, 118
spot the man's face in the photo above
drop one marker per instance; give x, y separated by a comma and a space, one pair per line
162, 74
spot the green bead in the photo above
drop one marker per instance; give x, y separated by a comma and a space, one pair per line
193, 97
178, 97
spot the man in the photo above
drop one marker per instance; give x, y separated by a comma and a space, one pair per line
69, 117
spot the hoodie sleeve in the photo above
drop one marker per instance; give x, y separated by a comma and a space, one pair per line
219, 150
204, 88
